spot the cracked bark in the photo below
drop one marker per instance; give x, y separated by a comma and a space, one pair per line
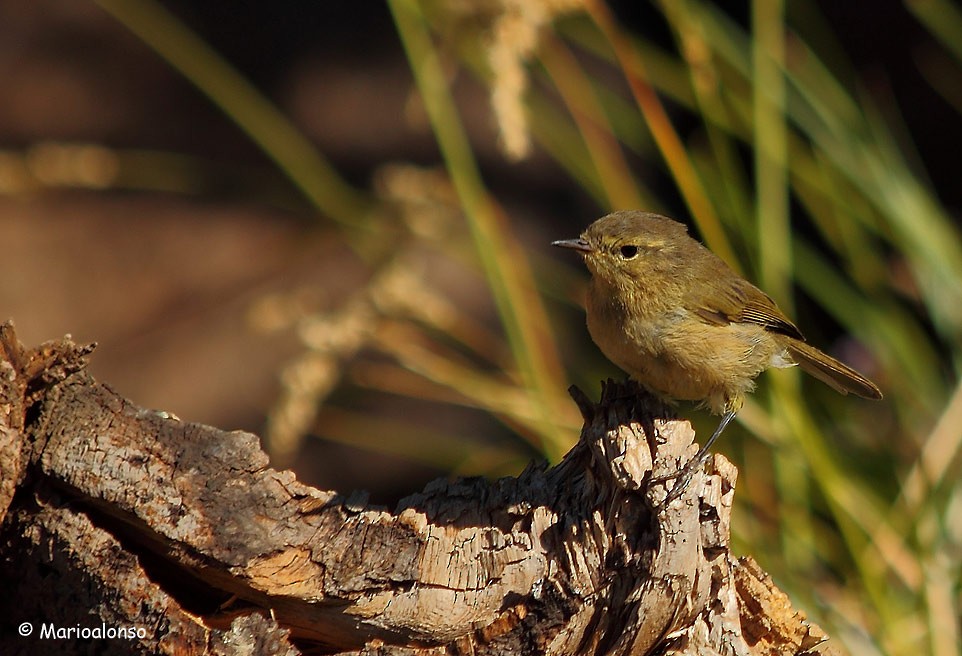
119, 515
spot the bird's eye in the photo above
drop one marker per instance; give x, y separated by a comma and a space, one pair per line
628, 251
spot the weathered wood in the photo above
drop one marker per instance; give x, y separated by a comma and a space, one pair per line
128, 517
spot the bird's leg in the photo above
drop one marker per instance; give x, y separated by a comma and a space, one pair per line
683, 476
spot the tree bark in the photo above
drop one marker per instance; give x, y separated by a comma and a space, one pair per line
118, 517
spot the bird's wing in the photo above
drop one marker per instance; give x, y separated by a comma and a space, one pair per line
739, 301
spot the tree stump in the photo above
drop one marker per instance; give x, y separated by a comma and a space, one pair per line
127, 531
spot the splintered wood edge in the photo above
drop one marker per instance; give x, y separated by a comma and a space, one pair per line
25, 374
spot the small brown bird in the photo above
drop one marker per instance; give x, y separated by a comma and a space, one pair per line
675, 317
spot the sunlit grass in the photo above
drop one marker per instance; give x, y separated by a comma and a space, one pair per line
823, 144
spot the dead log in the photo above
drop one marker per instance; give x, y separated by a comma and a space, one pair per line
118, 518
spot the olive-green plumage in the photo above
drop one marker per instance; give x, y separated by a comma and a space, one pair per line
675, 317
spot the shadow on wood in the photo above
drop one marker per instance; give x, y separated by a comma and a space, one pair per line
114, 516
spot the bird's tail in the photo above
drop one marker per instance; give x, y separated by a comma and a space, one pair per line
830, 371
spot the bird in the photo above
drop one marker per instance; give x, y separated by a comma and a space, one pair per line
684, 325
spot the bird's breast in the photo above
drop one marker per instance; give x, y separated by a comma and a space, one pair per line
623, 329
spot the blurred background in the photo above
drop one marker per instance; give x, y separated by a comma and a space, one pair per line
330, 226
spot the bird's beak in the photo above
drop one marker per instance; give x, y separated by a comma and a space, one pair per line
579, 245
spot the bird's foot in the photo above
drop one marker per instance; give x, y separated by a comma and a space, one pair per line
682, 477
